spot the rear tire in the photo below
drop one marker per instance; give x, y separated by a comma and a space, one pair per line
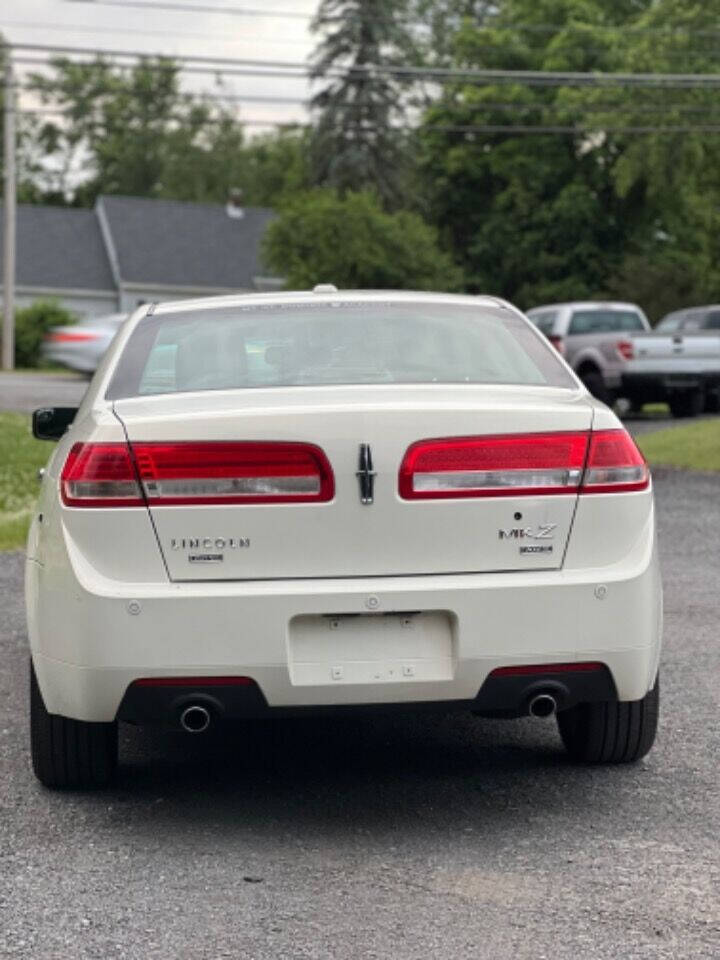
69, 754
595, 383
611, 731
688, 404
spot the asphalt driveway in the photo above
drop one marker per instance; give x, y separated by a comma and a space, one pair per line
383, 838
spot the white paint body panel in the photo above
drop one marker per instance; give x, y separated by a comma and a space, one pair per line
103, 610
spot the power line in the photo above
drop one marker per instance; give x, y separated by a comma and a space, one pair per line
84, 28
197, 8
373, 72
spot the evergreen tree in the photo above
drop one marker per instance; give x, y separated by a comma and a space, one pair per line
357, 143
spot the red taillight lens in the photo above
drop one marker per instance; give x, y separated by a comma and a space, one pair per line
558, 343
625, 349
168, 474
535, 464
615, 464
504, 466
100, 475
71, 337
225, 472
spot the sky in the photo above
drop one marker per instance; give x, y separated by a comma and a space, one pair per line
90, 23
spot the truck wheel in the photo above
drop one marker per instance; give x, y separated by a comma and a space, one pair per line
687, 404
595, 383
610, 731
69, 754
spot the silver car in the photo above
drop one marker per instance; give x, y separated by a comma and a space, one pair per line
81, 347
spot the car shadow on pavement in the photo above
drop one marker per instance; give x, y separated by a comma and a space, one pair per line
374, 774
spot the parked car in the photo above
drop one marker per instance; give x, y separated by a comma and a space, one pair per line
679, 363
82, 346
594, 338
273, 505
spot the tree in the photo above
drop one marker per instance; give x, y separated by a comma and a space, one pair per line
357, 144
351, 242
134, 132
533, 218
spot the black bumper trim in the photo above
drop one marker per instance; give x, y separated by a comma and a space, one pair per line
500, 696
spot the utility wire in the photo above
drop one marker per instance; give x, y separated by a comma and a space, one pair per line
197, 8
374, 72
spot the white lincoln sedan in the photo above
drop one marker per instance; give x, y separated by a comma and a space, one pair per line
273, 505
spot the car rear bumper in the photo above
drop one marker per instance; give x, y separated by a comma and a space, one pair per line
90, 645
659, 386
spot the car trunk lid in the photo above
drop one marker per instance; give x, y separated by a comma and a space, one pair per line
364, 432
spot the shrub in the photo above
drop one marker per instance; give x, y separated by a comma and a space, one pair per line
31, 325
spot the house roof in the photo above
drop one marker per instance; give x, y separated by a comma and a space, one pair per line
60, 247
171, 242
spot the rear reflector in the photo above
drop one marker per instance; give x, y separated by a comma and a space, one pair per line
169, 474
501, 466
516, 465
194, 682
531, 669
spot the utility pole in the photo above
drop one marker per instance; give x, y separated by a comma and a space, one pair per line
9, 218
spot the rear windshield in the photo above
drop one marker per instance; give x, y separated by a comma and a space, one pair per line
297, 344
605, 321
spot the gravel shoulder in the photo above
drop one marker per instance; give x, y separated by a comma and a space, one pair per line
384, 838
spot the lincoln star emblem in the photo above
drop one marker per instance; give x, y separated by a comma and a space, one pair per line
365, 474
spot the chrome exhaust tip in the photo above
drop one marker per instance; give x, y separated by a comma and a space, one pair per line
542, 705
195, 719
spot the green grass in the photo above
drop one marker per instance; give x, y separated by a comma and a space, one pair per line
20, 457
692, 447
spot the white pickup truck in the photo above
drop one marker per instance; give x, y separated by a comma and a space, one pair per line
679, 363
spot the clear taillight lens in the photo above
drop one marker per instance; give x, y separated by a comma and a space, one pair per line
615, 465
536, 464
503, 466
170, 474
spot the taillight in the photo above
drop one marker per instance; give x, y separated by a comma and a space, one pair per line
71, 336
100, 475
534, 464
625, 349
615, 465
501, 466
169, 474
228, 472
558, 343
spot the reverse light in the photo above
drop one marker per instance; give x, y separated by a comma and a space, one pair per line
169, 474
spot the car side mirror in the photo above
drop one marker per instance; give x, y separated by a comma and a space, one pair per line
50, 423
